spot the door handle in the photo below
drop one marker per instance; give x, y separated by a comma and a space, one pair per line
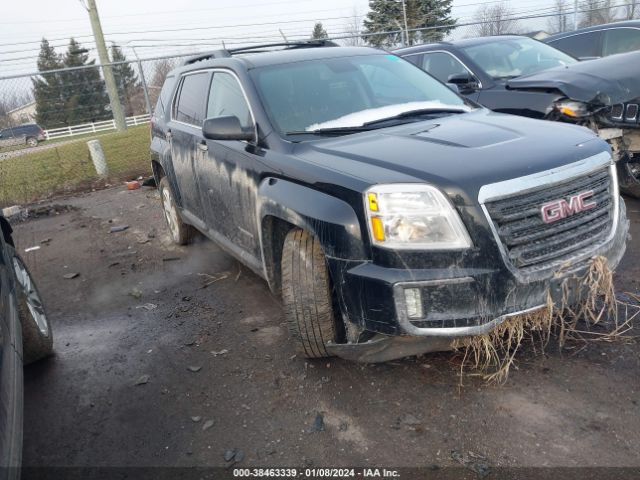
202, 147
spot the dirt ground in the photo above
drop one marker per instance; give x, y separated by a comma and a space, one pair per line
171, 356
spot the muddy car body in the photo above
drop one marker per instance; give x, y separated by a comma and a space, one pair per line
382, 225
521, 76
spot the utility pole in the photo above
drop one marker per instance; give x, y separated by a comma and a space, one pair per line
575, 14
109, 80
406, 27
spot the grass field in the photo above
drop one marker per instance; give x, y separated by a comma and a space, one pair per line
68, 168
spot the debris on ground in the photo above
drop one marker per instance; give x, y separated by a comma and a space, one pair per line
221, 352
136, 293
207, 425
194, 368
32, 249
196, 419
133, 185
45, 241
70, 275
473, 461
118, 228
318, 423
149, 182
233, 455
148, 306
211, 279
142, 379
170, 259
12, 211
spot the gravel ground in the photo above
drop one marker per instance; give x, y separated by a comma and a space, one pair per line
171, 356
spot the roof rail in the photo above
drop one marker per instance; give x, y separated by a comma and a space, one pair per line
260, 48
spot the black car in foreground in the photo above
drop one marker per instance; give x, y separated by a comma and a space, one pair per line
599, 40
25, 336
392, 215
29, 134
521, 76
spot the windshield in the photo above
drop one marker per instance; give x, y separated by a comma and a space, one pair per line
348, 92
515, 57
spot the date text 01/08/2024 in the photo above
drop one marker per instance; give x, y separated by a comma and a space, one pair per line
316, 473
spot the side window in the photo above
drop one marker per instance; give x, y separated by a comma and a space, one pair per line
226, 99
165, 96
193, 96
580, 46
442, 65
620, 40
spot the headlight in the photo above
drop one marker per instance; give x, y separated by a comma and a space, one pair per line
413, 216
572, 109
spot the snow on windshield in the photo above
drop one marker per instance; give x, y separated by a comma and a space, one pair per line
357, 119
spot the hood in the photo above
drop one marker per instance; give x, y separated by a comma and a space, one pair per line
457, 153
603, 81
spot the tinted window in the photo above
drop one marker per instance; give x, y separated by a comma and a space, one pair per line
165, 96
581, 45
226, 98
515, 57
620, 40
442, 65
192, 100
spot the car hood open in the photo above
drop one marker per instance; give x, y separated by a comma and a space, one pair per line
603, 81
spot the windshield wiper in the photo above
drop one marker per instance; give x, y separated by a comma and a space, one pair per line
330, 131
415, 113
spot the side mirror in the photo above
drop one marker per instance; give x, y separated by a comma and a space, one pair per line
464, 81
453, 87
226, 128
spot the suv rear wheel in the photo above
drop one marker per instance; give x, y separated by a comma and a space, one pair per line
181, 233
306, 294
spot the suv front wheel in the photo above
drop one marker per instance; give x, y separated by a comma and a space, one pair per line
32, 141
181, 233
306, 294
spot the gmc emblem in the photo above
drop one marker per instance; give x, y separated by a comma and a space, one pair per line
559, 209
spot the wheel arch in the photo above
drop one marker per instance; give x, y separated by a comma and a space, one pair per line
284, 205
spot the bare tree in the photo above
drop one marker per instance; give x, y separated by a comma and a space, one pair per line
631, 10
352, 28
597, 12
560, 22
497, 19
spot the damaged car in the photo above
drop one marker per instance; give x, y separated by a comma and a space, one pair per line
392, 216
521, 76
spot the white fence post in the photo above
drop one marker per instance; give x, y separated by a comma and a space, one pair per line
97, 156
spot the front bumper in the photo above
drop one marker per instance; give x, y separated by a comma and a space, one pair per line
458, 302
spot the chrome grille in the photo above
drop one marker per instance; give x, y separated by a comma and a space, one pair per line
531, 243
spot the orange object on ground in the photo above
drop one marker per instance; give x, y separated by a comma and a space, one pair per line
133, 185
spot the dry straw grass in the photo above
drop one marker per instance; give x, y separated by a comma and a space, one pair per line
491, 355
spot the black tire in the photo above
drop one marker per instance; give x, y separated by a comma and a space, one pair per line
180, 232
32, 142
306, 294
37, 336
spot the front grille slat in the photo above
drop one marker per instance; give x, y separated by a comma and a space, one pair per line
530, 243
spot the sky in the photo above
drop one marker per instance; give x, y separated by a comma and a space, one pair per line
161, 27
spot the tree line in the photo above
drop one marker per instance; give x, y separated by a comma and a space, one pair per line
70, 89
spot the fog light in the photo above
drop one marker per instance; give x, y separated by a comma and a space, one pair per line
413, 302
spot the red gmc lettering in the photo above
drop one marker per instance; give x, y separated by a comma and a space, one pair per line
559, 209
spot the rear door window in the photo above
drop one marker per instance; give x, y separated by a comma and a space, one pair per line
190, 106
620, 40
581, 45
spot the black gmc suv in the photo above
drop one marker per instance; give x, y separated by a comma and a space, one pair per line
391, 214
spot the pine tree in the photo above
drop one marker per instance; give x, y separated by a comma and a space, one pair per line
48, 89
86, 100
387, 15
129, 88
319, 32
